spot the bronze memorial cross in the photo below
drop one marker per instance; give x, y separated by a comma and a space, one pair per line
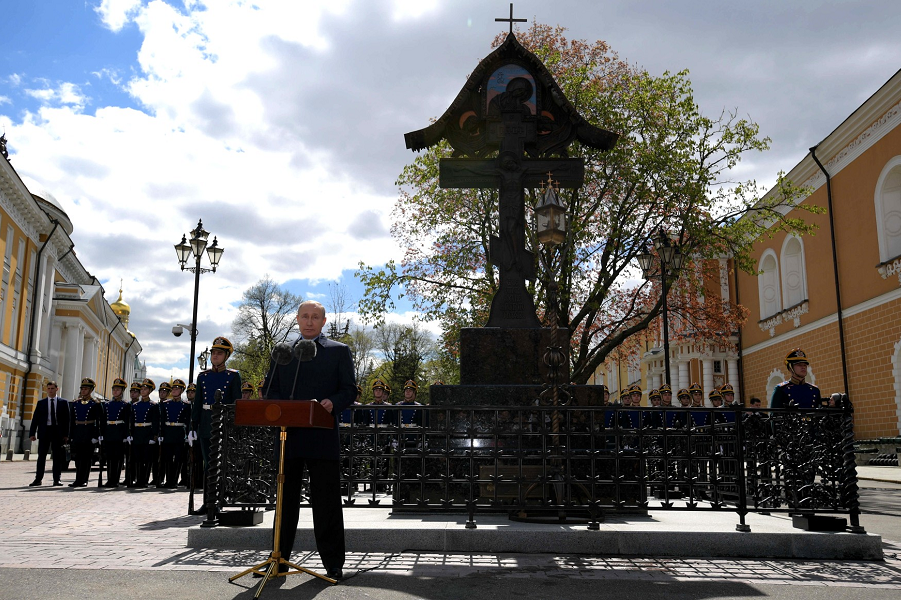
511, 172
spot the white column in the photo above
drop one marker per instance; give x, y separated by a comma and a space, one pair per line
673, 368
71, 375
732, 370
683, 376
56, 347
89, 360
708, 378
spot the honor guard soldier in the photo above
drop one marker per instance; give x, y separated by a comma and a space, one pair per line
134, 392
718, 413
635, 394
410, 417
728, 393
246, 390
679, 419
88, 424
666, 395
653, 419
155, 470
216, 378
380, 416
795, 391
115, 437
145, 430
175, 416
698, 418
605, 395
350, 416
187, 399
197, 465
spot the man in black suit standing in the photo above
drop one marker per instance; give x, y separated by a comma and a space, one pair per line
328, 378
50, 426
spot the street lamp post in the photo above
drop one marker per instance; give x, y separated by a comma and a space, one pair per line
202, 359
184, 250
671, 259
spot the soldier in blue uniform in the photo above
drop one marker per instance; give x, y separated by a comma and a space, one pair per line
115, 438
175, 416
795, 391
410, 417
666, 395
156, 470
380, 416
134, 392
197, 465
88, 424
218, 377
728, 393
145, 427
654, 419
246, 390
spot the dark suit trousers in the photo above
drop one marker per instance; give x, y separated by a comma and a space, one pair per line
325, 498
51, 442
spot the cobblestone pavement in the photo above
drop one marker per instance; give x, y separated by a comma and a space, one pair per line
92, 528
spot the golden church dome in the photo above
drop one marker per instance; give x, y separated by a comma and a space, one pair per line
120, 307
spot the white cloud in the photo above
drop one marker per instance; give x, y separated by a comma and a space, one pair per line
115, 14
5, 100
65, 93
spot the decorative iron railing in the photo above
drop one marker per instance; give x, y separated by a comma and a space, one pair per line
565, 462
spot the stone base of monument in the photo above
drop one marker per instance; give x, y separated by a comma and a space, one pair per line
684, 534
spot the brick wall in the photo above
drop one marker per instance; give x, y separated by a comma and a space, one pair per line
870, 339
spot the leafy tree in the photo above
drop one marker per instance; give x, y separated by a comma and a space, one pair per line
267, 316
672, 168
406, 349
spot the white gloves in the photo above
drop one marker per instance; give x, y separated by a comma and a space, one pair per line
129, 439
192, 435
100, 438
93, 440
159, 439
153, 442
190, 440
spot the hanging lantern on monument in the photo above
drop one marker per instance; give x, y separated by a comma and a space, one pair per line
550, 216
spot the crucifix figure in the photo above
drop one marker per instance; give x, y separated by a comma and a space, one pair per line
511, 105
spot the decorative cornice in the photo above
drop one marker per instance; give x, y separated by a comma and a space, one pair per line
794, 313
893, 267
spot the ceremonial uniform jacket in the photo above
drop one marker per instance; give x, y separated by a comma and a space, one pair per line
330, 375
88, 420
803, 394
380, 416
145, 421
175, 416
118, 420
348, 416
227, 380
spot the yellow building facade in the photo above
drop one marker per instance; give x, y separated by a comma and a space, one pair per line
54, 320
844, 312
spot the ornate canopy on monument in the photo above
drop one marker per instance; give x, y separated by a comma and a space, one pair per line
511, 76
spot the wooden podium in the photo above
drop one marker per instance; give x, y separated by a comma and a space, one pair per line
283, 414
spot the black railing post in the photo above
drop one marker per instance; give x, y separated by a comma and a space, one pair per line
211, 485
742, 507
850, 496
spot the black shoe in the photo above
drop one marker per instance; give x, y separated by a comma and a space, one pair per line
336, 574
35, 483
57, 484
74, 484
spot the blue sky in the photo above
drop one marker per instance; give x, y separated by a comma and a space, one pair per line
281, 123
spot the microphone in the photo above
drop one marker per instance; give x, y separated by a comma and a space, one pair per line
304, 351
281, 353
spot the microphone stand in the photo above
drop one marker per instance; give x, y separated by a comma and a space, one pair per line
270, 567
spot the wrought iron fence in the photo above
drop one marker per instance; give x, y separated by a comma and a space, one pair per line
565, 462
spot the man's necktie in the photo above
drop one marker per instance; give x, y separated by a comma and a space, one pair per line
53, 412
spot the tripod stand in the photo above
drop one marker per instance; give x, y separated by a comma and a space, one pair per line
295, 413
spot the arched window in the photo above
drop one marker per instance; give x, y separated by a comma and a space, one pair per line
888, 210
768, 285
794, 275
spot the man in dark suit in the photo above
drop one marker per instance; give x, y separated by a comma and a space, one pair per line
50, 425
328, 378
